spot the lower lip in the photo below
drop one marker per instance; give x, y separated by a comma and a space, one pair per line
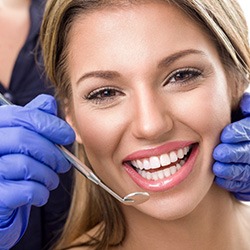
166, 183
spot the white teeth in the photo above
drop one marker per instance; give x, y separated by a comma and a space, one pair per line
166, 159
146, 164
154, 162
173, 170
180, 153
166, 172
173, 157
159, 174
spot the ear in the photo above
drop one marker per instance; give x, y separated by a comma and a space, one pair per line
70, 118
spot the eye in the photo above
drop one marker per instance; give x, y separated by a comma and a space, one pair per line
103, 95
183, 76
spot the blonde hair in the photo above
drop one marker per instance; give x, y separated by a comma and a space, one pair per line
223, 20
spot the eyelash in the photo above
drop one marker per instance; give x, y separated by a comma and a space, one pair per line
102, 95
187, 75
106, 95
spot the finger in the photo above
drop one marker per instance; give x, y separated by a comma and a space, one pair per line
21, 167
233, 186
233, 153
236, 172
242, 196
237, 132
245, 104
23, 141
47, 125
15, 194
45, 103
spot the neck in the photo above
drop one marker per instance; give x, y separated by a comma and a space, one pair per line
216, 223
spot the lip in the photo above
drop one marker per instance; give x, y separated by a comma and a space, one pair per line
168, 182
166, 148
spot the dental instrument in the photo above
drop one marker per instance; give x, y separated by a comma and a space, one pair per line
130, 199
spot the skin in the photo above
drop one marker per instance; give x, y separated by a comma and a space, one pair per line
13, 35
149, 107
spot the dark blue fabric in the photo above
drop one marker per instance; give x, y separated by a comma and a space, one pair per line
28, 81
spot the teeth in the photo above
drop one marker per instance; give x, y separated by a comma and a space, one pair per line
160, 174
146, 164
154, 162
180, 153
166, 159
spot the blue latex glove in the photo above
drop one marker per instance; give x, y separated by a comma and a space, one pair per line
29, 162
233, 155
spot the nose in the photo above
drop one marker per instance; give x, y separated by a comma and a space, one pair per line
152, 117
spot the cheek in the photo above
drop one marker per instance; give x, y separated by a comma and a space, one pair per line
206, 110
100, 133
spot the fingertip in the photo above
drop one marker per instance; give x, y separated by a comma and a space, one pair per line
45, 103
242, 196
220, 152
217, 169
64, 167
70, 136
54, 184
245, 104
227, 134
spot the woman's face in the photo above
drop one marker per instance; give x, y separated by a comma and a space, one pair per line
150, 98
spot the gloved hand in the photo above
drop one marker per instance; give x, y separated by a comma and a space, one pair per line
29, 162
232, 166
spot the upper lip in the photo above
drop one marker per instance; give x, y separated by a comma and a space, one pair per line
156, 151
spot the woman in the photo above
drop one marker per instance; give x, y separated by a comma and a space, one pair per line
148, 86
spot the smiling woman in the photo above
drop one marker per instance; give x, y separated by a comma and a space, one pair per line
148, 91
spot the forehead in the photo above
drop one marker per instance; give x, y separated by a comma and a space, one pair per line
138, 32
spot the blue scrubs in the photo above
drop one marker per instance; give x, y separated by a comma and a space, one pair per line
28, 81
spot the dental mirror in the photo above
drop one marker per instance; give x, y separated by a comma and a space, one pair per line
130, 199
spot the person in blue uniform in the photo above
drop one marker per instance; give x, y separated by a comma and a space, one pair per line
31, 213
21, 80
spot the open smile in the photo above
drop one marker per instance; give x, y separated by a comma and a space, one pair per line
161, 172
159, 167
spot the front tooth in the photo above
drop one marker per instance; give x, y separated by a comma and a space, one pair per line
154, 162
165, 160
173, 157
161, 174
148, 175
146, 164
155, 176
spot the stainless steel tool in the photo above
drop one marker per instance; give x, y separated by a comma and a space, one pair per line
130, 199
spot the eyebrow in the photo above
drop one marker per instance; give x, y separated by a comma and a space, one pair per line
180, 54
103, 74
108, 74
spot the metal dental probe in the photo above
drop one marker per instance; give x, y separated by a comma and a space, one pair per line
130, 199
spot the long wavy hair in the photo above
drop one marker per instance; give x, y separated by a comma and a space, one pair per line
224, 22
